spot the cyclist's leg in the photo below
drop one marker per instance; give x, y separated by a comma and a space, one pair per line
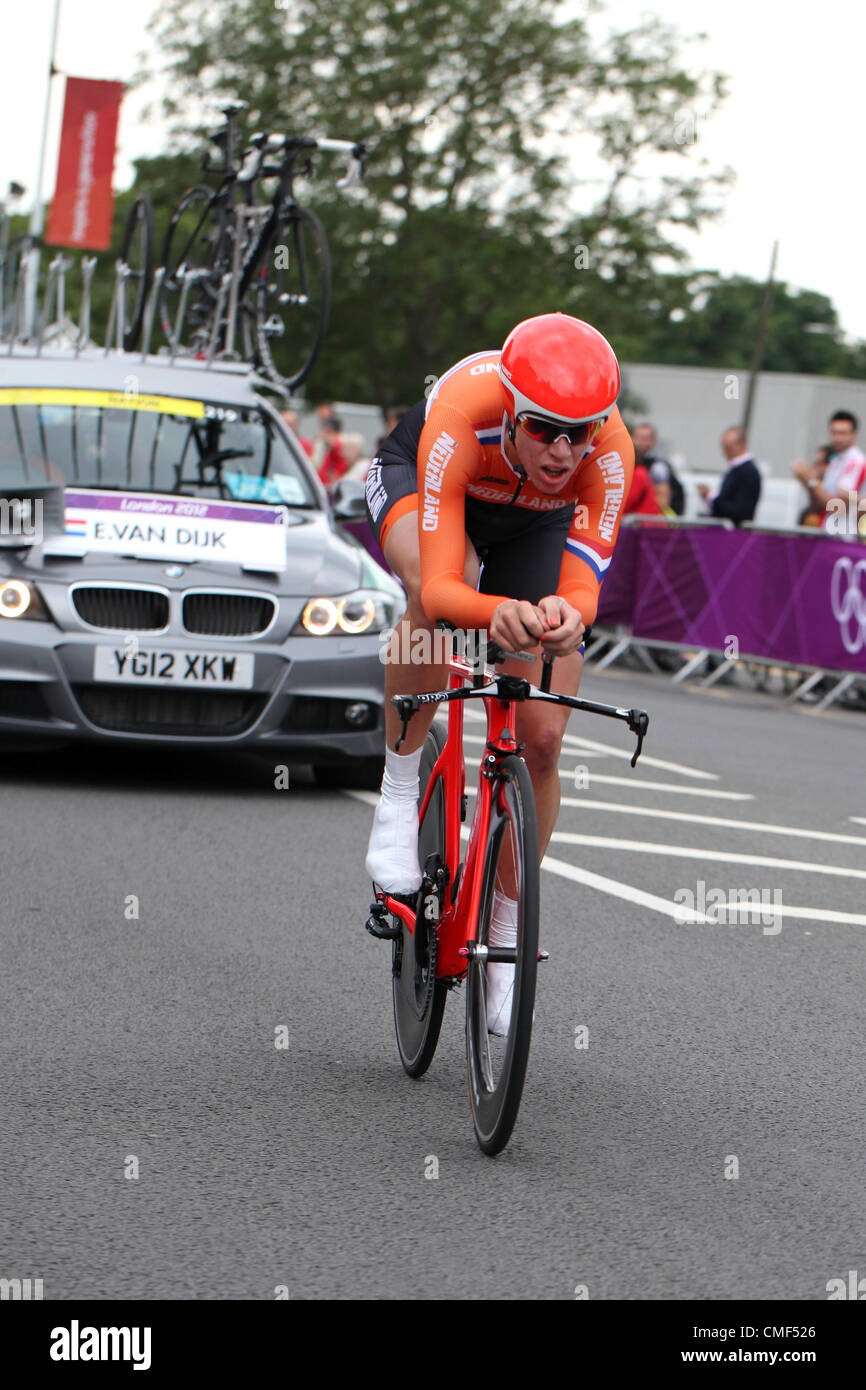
417, 657
407, 672
523, 556
541, 728
414, 664
526, 565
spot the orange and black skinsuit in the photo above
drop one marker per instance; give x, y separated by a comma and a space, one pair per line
446, 460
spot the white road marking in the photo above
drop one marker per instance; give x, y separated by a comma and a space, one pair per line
635, 783
586, 803
614, 888
860, 820
646, 759
368, 798
565, 837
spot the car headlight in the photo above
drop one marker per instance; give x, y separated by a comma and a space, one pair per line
20, 600
364, 611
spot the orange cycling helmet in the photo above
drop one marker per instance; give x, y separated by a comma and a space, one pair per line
558, 366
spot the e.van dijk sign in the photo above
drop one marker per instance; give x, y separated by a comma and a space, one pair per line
83, 205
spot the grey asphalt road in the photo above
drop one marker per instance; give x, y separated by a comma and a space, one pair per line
167, 920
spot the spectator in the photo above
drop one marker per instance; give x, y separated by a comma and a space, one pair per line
845, 477
669, 491
812, 514
661, 474
356, 459
641, 498
324, 413
739, 492
291, 419
393, 415
333, 464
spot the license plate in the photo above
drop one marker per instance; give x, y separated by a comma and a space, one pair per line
191, 669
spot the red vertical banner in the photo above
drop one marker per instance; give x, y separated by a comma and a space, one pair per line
83, 204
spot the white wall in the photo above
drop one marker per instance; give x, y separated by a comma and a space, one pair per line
690, 410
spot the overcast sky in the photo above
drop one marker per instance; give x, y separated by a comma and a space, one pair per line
792, 127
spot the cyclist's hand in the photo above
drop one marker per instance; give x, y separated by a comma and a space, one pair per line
565, 627
516, 625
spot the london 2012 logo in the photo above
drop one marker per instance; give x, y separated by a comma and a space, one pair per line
848, 600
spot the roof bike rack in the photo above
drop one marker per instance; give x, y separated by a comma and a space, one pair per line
18, 314
225, 287
54, 297
88, 266
117, 317
188, 277
150, 310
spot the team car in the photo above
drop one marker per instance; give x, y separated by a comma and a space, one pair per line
172, 572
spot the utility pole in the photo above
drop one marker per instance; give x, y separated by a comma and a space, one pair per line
760, 340
37, 216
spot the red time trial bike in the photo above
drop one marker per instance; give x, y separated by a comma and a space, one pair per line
441, 935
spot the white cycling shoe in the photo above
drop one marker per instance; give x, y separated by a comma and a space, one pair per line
500, 992
392, 852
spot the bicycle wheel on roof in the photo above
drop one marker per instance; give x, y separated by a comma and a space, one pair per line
292, 295
136, 252
195, 253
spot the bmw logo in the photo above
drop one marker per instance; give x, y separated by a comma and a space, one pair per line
174, 571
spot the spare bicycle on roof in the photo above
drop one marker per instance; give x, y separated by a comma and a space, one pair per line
245, 271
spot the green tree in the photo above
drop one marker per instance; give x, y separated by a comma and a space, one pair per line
503, 133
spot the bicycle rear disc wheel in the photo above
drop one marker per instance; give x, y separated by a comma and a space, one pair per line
192, 244
136, 252
419, 998
496, 1066
292, 290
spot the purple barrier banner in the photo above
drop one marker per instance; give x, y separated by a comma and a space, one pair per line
800, 599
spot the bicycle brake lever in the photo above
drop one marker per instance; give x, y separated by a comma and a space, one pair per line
405, 705
354, 173
638, 722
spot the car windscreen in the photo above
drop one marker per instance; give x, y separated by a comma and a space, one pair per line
147, 444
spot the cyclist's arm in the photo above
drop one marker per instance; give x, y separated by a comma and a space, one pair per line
448, 454
604, 482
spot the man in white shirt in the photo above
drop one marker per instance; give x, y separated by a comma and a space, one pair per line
844, 482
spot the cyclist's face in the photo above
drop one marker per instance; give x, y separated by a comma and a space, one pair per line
548, 466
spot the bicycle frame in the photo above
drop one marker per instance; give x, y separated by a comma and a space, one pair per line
459, 918
461, 892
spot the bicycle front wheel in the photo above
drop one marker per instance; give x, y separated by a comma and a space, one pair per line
496, 1066
292, 291
419, 998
